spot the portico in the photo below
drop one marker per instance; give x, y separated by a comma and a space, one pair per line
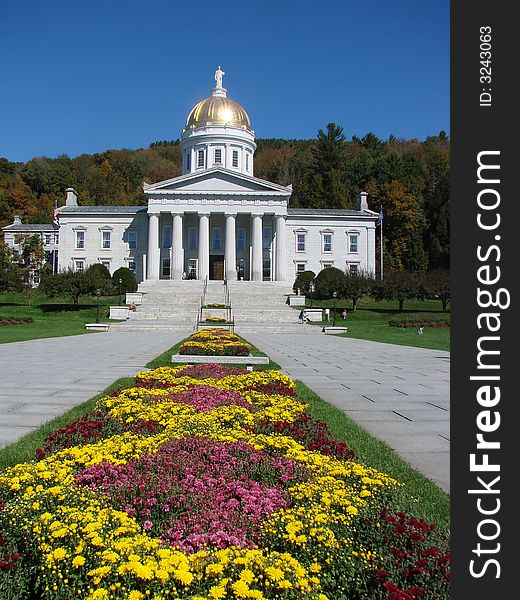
232, 244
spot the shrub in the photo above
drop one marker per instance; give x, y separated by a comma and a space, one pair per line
128, 282
303, 282
101, 279
328, 281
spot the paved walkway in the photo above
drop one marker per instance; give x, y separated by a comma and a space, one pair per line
41, 379
398, 393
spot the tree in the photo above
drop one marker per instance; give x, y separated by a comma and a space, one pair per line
357, 285
330, 280
438, 287
400, 286
303, 282
32, 257
404, 225
127, 277
11, 274
68, 283
328, 188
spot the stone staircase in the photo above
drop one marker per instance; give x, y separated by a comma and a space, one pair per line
174, 305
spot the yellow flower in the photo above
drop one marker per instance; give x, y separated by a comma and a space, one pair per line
78, 561
185, 577
59, 553
217, 592
240, 588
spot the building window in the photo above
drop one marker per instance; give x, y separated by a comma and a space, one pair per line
300, 242
235, 158
132, 265
105, 240
192, 268
218, 156
132, 240
353, 239
193, 236
80, 240
167, 236
216, 239
326, 265
300, 267
200, 158
79, 265
267, 234
353, 269
166, 268
56, 238
105, 263
241, 239
247, 161
47, 239
188, 161
327, 242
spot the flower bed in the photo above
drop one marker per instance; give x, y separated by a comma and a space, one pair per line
215, 342
414, 323
206, 482
6, 321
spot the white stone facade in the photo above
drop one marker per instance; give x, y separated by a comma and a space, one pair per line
216, 220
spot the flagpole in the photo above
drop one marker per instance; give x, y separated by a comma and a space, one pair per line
381, 246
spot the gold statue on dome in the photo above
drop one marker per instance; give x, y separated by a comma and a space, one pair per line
218, 77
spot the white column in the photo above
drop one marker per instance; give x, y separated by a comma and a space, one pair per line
280, 249
230, 254
152, 272
203, 246
177, 258
256, 270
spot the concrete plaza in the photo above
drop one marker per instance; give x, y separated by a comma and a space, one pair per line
41, 379
400, 394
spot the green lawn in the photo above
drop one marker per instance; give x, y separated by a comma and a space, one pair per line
370, 322
52, 317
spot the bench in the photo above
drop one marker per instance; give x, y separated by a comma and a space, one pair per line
334, 330
97, 326
120, 313
249, 361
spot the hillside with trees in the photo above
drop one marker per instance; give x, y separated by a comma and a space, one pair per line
410, 179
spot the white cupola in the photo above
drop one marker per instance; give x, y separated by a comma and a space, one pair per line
218, 134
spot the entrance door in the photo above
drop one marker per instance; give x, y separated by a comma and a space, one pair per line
216, 267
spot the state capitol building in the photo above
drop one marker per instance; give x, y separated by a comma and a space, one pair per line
217, 220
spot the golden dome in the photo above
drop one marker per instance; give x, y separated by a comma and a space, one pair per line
218, 110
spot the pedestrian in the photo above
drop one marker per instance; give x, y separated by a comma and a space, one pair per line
420, 331
301, 317
327, 314
343, 314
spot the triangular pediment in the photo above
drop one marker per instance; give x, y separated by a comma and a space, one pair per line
216, 180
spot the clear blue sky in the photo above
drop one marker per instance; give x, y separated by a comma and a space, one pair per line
83, 76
